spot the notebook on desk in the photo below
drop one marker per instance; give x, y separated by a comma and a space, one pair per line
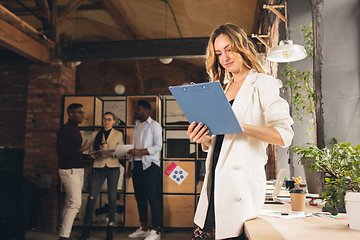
271, 197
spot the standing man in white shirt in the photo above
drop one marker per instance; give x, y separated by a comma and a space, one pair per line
144, 166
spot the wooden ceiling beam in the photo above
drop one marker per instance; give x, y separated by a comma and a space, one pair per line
22, 44
67, 10
132, 50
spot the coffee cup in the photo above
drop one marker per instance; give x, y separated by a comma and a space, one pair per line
297, 197
104, 146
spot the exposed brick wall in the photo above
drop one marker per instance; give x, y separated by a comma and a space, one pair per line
100, 78
47, 85
13, 97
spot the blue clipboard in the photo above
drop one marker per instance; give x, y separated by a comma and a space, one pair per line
207, 103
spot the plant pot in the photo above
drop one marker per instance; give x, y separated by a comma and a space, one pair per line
352, 203
311, 178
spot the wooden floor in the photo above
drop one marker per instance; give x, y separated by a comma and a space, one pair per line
119, 234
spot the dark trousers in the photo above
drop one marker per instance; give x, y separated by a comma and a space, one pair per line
146, 189
98, 178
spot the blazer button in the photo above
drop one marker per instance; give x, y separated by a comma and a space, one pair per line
237, 199
237, 167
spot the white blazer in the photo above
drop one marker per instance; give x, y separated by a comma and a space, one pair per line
115, 138
240, 181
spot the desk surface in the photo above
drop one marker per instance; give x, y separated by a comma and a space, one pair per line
312, 227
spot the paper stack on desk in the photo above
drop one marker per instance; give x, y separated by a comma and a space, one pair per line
287, 215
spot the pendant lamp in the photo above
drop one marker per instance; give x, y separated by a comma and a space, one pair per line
165, 60
286, 51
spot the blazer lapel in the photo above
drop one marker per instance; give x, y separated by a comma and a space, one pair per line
244, 95
111, 135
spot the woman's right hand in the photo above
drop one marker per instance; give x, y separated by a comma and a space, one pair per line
198, 133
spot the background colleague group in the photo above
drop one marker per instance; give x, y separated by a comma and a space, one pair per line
144, 165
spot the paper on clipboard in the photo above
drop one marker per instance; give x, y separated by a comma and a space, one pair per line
121, 150
207, 103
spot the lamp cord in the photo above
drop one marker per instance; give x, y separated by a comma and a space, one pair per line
166, 2
166, 7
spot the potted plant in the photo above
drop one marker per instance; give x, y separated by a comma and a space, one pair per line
341, 165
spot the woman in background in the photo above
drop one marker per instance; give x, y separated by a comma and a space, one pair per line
104, 166
235, 182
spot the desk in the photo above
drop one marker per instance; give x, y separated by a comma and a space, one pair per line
312, 227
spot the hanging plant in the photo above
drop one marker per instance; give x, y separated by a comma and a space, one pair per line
301, 83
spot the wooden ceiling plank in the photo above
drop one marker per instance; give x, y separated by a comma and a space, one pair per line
14, 20
19, 42
118, 18
67, 10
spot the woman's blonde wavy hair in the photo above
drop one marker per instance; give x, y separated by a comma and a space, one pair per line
241, 47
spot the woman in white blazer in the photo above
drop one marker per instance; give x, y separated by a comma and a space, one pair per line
235, 182
104, 166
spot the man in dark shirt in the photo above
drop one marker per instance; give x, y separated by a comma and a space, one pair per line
70, 150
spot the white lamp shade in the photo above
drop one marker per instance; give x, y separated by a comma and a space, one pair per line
119, 89
165, 60
286, 51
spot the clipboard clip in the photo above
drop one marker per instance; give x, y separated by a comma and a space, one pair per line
195, 87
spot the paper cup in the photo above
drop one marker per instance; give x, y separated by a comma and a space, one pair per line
297, 197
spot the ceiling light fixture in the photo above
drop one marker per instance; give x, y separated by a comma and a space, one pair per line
119, 89
286, 51
165, 60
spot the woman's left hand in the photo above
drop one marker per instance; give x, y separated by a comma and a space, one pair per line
198, 132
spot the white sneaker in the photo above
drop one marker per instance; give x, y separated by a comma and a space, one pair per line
139, 233
153, 236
